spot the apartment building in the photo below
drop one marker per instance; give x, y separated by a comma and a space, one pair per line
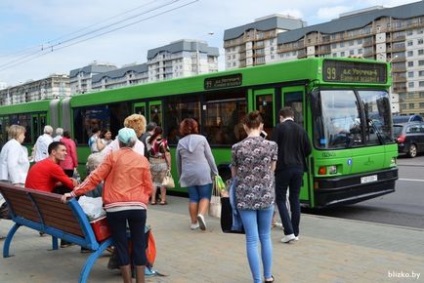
125, 76
178, 59
54, 86
256, 43
388, 34
81, 78
181, 58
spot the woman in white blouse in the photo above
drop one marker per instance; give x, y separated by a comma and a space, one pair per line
14, 163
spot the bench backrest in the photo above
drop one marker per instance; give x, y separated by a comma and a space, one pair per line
46, 212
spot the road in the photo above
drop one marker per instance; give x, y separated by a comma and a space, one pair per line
404, 207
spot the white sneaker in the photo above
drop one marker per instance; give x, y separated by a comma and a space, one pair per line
288, 238
201, 221
194, 226
296, 238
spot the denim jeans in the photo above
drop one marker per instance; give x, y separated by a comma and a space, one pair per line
257, 225
197, 193
291, 179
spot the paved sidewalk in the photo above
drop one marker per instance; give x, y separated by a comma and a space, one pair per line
329, 250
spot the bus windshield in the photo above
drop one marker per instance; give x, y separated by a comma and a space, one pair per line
349, 118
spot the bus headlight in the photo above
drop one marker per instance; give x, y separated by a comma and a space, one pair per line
330, 170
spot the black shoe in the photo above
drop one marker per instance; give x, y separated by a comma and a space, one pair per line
85, 250
65, 244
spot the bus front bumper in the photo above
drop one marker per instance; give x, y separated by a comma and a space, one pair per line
354, 189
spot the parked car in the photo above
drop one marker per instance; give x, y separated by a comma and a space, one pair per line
409, 137
397, 119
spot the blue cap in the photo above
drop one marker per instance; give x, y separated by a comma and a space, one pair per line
126, 134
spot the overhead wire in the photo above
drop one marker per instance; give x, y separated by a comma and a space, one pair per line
95, 33
45, 45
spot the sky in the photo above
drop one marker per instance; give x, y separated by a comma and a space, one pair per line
44, 37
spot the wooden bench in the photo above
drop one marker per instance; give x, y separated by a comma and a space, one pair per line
45, 212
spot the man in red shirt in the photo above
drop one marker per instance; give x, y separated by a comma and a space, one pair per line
46, 175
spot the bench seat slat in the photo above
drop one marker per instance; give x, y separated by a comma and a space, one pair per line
45, 212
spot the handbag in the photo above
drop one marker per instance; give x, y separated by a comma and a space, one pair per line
215, 206
168, 181
230, 219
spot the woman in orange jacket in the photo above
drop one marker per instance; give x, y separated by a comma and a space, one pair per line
126, 192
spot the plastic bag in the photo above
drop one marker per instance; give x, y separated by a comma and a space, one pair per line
219, 183
92, 207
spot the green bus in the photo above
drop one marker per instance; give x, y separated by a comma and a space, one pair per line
343, 104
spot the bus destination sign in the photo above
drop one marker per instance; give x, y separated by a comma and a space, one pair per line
223, 81
354, 72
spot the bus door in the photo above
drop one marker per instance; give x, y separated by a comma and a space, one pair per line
294, 97
140, 108
155, 113
264, 102
4, 126
35, 128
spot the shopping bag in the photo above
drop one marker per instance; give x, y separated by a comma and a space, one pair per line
219, 183
230, 219
215, 203
168, 181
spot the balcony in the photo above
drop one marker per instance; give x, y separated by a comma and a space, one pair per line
301, 54
399, 79
396, 39
398, 69
369, 53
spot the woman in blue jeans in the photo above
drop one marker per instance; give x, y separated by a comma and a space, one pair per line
253, 163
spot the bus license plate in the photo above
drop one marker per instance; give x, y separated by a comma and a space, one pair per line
368, 179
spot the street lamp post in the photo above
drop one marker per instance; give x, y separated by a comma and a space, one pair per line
197, 53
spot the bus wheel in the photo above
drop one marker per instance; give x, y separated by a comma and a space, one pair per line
412, 151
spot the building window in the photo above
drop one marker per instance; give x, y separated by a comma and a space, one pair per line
421, 73
410, 53
411, 64
411, 84
411, 105
420, 41
341, 44
360, 51
402, 106
410, 43
342, 54
359, 41
421, 94
421, 104
421, 83
421, 63
411, 95
421, 52
410, 74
